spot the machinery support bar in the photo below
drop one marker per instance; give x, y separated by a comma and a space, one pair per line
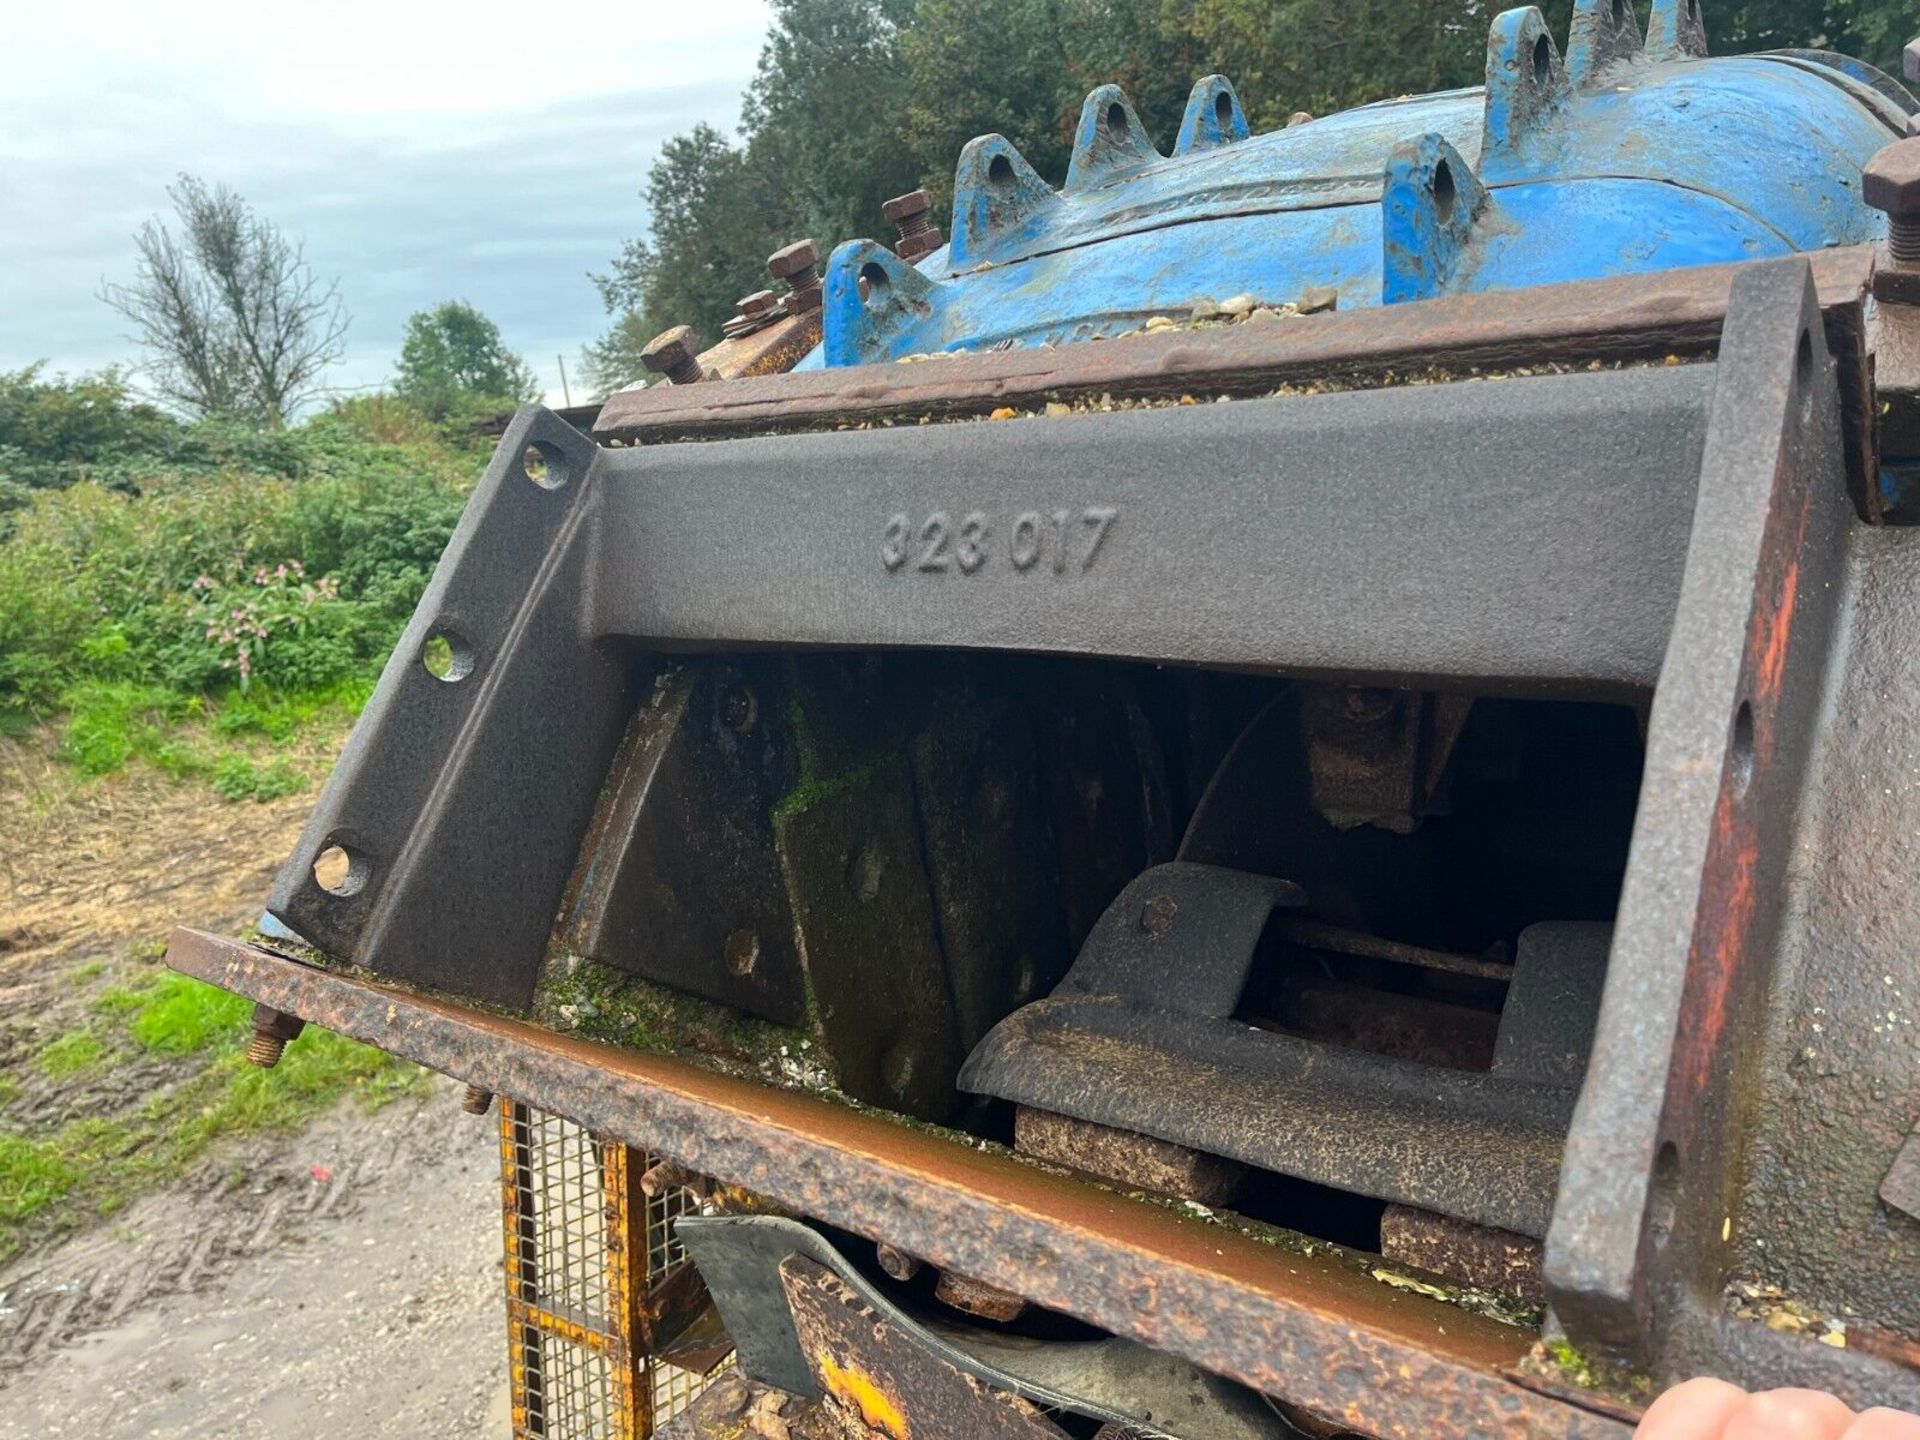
1302, 1327
1512, 534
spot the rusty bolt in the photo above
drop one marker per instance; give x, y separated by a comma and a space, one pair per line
987, 1302
896, 1262
798, 265
1892, 184
742, 952
759, 304
913, 214
476, 1100
910, 212
675, 354
272, 1029
671, 1175
1156, 916
1298, 118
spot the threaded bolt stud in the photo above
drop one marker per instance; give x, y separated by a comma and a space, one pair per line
798, 265
1891, 184
272, 1029
265, 1050
675, 354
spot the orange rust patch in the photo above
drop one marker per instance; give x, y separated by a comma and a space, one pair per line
876, 1407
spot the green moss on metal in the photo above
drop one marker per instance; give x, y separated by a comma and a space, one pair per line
812, 791
1558, 1359
597, 1002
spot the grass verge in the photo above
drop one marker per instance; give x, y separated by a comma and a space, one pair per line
92, 1165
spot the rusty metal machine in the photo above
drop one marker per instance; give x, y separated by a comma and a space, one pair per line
1276, 792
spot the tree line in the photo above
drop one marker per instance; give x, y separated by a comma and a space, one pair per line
855, 101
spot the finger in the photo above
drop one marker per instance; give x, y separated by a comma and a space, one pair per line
1789, 1415
1885, 1425
1697, 1410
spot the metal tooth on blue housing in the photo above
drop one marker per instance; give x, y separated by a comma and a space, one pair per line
1214, 117
1110, 139
1676, 30
856, 328
997, 197
1526, 82
1603, 33
1428, 207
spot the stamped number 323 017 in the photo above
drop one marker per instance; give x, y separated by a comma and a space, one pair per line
1056, 540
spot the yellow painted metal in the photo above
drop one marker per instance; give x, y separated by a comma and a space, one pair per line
584, 1244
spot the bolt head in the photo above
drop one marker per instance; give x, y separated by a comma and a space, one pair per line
759, 303
670, 348
918, 247
905, 207
1156, 916
1892, 178
796, 259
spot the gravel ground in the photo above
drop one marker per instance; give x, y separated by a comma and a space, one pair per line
351, 1287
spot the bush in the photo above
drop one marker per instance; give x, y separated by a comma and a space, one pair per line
247, 580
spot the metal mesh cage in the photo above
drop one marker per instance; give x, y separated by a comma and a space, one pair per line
584, 1245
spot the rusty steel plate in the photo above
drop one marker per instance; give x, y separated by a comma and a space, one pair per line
1303, 1328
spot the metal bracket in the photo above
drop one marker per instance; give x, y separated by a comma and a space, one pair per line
1653, 1158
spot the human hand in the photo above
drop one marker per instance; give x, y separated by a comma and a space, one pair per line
1715, 1410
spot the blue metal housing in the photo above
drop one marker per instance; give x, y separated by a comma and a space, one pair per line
1626, 155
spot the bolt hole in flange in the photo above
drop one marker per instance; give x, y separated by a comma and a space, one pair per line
1223, 112
1445, 192
1000, 172
446, 657
544, 466
1740, 754
1117, 130
1542, 62
1803, 374
339, 871
1663, 1200
1619, 13
874, 284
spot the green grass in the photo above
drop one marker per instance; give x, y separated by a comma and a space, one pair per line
33, 1175
72, 1053
110, 724
179, 1015
93, 1166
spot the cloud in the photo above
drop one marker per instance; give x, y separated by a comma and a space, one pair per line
420, 156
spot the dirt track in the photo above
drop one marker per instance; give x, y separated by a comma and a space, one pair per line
345, 1281
365, 1305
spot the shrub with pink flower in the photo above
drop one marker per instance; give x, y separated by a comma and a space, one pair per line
241, 617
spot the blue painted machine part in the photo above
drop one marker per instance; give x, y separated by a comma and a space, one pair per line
1624, 156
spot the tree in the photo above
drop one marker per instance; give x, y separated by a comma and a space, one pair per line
453, 360
716, 213
235, 320
857, 100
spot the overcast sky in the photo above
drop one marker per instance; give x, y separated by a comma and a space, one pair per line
424, 152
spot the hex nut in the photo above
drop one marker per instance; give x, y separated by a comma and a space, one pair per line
905, 207
1892, 178
795, 259
670, 348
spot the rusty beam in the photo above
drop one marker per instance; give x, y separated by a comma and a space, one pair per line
1631, 318
1305, 1328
